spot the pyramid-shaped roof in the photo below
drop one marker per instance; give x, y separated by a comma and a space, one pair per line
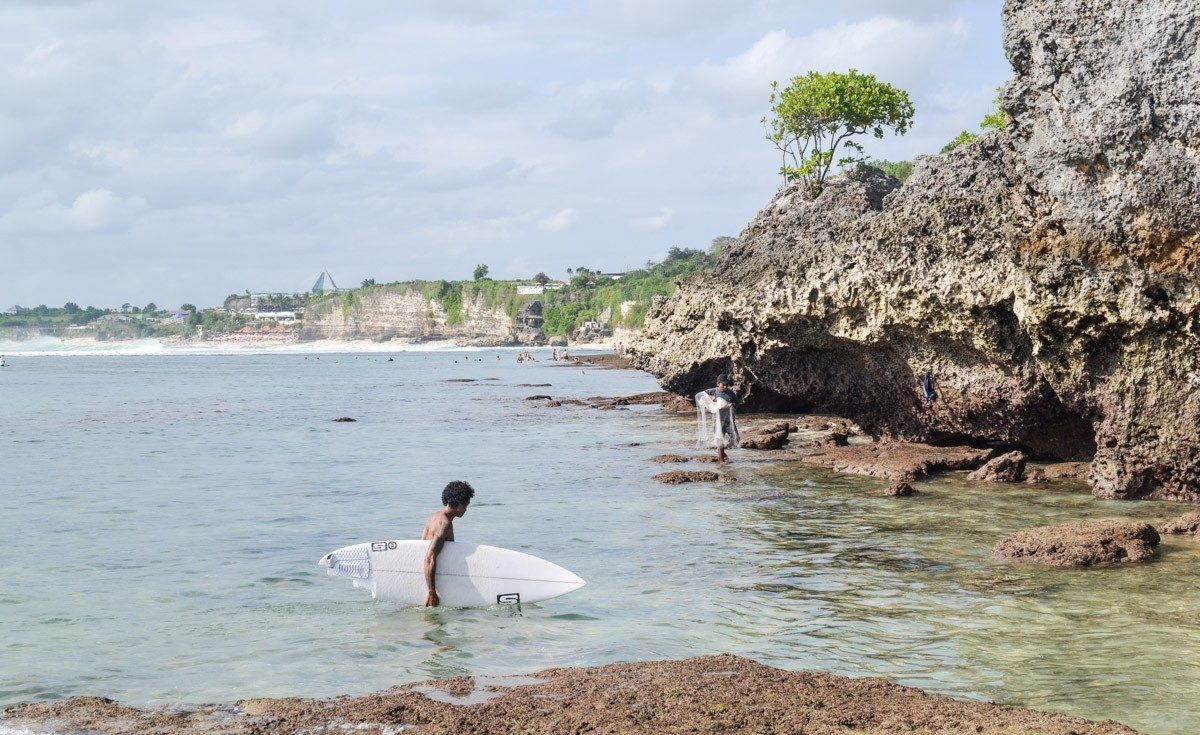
324, 283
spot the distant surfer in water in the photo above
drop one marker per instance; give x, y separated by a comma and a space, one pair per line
439, 529
718, 404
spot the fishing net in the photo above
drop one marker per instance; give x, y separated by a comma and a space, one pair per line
715, 422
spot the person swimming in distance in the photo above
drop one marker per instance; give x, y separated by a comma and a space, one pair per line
439, 529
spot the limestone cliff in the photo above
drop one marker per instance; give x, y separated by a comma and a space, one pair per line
385, 313
1046, 275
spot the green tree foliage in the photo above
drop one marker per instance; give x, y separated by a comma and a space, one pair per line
541, 279
566, 309
898, 169
720, 245
818, 115
71, 308
188, 308
150, 308
368, 282
481, 272
997, 119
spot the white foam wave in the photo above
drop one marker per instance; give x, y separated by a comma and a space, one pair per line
46, 346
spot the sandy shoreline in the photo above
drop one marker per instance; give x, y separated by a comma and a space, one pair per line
709, 694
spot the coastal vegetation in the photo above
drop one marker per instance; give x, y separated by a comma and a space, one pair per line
588, 296
996, 119
818, 115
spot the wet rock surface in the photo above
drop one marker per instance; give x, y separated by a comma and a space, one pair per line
1188, 523
670, 458
1043, 274
896, 461
1091, 543
765, 436
899, 490
1008, 467
710, 694
679, 477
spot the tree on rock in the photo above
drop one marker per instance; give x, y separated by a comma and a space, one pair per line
481, 271
818, 115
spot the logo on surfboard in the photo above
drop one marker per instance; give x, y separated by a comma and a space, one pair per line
383, 546
512, 598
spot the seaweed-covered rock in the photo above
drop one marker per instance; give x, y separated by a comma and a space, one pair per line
1086, 544
678, 477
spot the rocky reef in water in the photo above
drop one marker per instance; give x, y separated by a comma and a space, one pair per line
1046, 275
710, 694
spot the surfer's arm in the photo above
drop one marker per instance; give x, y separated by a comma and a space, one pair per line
435, 548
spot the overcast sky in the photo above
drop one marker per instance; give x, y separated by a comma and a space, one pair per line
178, 152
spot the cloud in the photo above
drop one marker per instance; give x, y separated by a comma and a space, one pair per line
557, 222
663, 18
652, 222
593, 111
97, 210
898, 51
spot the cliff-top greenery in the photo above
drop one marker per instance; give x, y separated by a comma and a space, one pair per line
587, 296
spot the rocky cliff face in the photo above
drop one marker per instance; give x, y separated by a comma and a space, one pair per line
384, 314
1047, 276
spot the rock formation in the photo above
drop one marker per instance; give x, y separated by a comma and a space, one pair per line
1046, 275
1091, 543
710, 694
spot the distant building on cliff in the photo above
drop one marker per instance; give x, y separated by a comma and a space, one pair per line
325, 284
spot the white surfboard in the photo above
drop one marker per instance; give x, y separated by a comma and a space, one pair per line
468, 575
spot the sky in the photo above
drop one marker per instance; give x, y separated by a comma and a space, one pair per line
157, 150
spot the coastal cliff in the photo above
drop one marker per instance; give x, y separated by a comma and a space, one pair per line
386, 313
1045, 275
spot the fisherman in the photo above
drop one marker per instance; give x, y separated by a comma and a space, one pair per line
726, 433
439, 529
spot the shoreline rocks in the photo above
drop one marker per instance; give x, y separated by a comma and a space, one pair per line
1008, 467
1085, 544
708, 694
896, 461
679, 477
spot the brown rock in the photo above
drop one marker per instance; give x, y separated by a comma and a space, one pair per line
1034, 476
1086, 544
1005, 468
1067, 470
896, 461
705, 459
668, 458
539, 397
681, 476
553, 404
709, 694
345, 420
764, 440
1186, 523
899, 490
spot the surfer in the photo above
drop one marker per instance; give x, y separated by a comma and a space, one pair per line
725, 433
439, 529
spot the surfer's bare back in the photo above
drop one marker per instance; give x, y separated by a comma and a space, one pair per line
439, 529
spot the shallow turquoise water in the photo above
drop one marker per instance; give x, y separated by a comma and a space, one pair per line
163, 516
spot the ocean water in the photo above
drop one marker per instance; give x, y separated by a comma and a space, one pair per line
162, 515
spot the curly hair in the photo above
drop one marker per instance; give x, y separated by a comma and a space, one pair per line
457, 493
